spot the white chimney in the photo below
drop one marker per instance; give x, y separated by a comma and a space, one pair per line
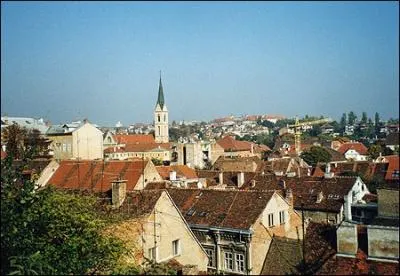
221, 178
240, 179
118, 192
320, 196
328, 173
172, 175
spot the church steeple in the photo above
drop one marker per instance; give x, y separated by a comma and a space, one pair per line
160, 99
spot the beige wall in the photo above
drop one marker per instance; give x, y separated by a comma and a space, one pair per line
216, 152
388, 203
150, 174
61, 146
263, 233
172, 227
347, 241
87, 142
46, 174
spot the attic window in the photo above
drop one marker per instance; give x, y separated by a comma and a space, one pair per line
199, 195
203, 214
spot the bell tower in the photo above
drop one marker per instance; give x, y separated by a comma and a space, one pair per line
161, 117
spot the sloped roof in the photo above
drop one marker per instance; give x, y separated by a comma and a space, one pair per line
181, 171
134, 139
220, 208
228, 143
283, 257
359, 147
306, 189
237, 163
229, 178
96, 175
393, 161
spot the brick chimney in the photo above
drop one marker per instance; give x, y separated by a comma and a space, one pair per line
240, 179
118, 192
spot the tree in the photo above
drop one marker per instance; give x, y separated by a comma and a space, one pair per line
374, 151
51, 232
343, 122
316, 154
351, 118
14, 136
156, 162
364, 118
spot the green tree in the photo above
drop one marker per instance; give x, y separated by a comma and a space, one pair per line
377, 123
15, 136
352, 118
51, 232
316, 154
364, 118
374, 151
157, 162
343, 122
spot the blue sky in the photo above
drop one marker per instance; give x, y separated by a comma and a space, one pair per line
70, 60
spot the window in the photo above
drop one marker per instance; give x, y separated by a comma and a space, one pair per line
69, 147
159, 130
210, 253
64, 147
159, 118
228, 260
165, 118
271, 220
240, 262
153, 253
176, 247
396, 174
282, 217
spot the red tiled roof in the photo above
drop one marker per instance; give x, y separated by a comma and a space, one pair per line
359, 147
134, 139
181, 171
220, 208
228, 143
393, 166
317, 172
96, 175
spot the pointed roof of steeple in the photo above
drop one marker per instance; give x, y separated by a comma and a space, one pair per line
160, 99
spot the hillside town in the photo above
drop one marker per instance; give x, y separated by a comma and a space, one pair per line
243, 195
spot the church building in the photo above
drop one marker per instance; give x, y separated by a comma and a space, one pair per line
161, 118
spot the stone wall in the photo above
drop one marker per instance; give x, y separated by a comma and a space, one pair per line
347, 242
383, 242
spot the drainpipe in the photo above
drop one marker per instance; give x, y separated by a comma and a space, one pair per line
248, 250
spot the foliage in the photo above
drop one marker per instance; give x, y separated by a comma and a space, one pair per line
374, 151
152, 268
315, 154
351, 118
49, 231
157, 162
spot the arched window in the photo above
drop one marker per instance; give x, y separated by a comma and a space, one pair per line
159, 130
159, 117
165, 118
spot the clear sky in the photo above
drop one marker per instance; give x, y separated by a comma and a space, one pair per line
101, 61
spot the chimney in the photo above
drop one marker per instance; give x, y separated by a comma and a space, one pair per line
118, 192
221, 178
172, 175
328, 173
289, 196
320, 196
240, 179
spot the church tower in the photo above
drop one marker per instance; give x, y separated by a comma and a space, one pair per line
161, 118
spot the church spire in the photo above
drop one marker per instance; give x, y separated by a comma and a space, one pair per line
160, 99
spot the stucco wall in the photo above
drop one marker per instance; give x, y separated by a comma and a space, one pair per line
170, 227
347, 242
388, 203
87, 142
383, 242
60, 151
318, 216
150, 174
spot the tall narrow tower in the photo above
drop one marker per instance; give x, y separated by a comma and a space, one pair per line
161, 118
